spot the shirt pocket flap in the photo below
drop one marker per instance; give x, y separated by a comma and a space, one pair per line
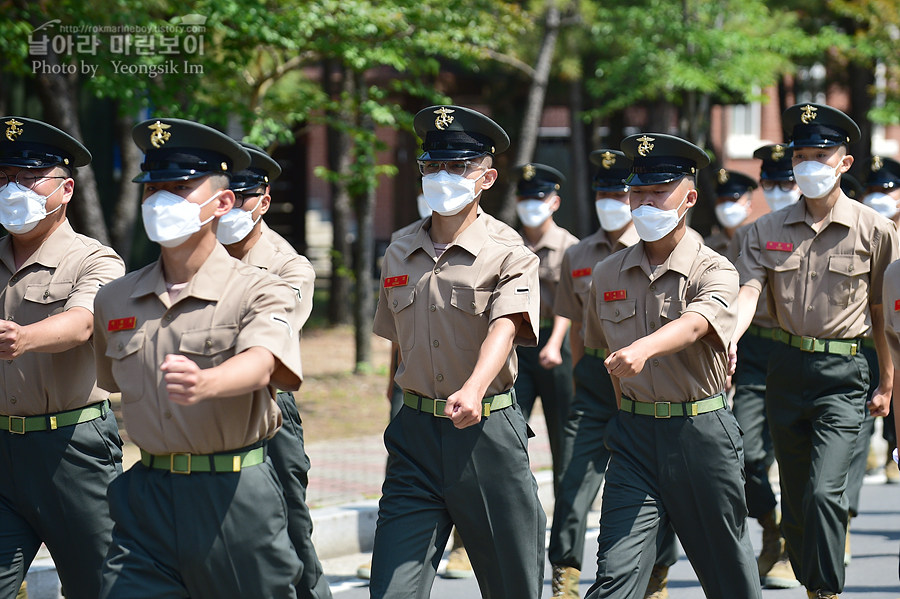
848, 266
792, 262
673, 309
617, 311
47, 293
402, 297
124, 343
208, 342
470, 300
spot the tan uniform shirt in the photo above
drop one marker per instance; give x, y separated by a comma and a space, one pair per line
64, 273
274, 254
438, 310
577, 267
761, 317
630, 300
550, 250
820, 284
226, 308
891, 299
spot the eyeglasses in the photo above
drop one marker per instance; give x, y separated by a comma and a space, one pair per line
25, 178
783, 185
453, 167
239, 198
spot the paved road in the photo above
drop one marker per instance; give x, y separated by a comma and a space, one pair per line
873, 573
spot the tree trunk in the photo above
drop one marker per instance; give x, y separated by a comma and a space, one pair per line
339, 159
534, 108
129, 195
580, 186
364, 257
58, 95
861, 79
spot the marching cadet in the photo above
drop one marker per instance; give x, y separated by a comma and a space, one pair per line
59, 442
584, 454
733, 193
458, 294
891, 299
545, 371
882, 193
196, 342
749, 379
823, 261
664, 309
248, 238
776, 178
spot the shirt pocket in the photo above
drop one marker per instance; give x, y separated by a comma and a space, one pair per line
847, 276
209, 347
400, 299
785, 278
124, 349
51, 297
474, 307
672, 309
618, 323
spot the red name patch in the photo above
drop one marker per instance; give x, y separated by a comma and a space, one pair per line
398, 281
581, 272
780, 246
121, 324
609, 296
896, 305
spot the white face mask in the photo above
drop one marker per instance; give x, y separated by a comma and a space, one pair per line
169, 219
422, 206
21, 209
815, 179
779, 198
612, 214
533, 213
448, 194
882, 203
237, 224
731, 214
652, 224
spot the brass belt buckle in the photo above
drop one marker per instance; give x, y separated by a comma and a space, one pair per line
21, 421
174, 470
667, 412
439, 413
807, 344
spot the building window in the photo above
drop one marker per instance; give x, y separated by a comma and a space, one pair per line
743, 129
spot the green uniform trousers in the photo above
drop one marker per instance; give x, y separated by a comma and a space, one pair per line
686, 472
815, 403
292, 467
477, 478
750, 412
584, 463
53, 490
199, 535
857, 473
553, 386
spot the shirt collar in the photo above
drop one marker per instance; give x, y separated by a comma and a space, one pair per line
206, 284
50, 253
472, 238
680, 260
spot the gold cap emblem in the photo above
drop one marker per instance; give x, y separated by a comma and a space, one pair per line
777, 152
609, 159
723, 176
13, 130
645, 146
443, 119
224, 166
528, 172
808, 114
876, 163
159, 135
